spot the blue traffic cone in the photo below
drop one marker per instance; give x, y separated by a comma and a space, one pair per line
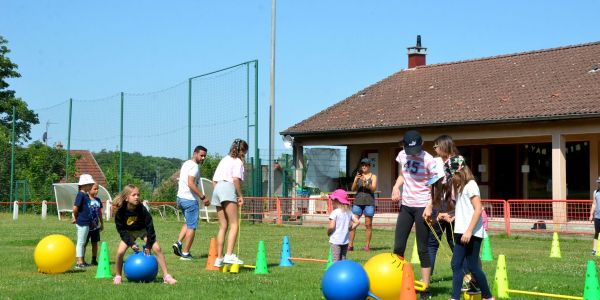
285, 253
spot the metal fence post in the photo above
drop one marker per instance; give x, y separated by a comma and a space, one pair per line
12, 153
69, 140
257, 161
507, 217
189, 152
278, 203
256, 179
121, 146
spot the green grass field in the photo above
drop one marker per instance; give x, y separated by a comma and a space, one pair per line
528, 264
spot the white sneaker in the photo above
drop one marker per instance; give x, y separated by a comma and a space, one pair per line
218, 262
232, 259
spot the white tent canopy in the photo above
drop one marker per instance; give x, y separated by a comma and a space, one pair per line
65, 194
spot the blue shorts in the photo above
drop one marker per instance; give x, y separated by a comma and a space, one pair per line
191, 210
367, 210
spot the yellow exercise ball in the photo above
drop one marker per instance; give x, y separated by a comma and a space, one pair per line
385, 275
54, 254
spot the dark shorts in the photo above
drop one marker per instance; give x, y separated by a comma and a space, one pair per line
94, 236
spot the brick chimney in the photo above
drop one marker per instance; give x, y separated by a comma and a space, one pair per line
416, 54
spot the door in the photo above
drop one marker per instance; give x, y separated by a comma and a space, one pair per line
504, 172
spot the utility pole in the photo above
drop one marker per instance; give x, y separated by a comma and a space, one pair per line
272, 106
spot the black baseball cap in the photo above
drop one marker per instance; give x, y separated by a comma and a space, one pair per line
412, 142
365, 161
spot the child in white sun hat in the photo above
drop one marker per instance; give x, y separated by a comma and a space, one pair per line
82, 217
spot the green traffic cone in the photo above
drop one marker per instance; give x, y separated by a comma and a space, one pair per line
329, 260
103, 263
486, 250
414, 259
261, 259
591, 289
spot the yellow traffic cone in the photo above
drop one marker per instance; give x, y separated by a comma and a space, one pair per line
414, 259
500, 288
555, 250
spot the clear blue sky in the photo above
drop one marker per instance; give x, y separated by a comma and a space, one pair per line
326, 50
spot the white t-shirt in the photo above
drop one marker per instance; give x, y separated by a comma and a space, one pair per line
229, 168
341, 234
417, 170
189, 168
464, 210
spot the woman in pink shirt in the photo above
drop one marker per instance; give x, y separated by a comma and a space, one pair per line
227, 195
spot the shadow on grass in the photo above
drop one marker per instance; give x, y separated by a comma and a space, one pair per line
441, 279
378, 249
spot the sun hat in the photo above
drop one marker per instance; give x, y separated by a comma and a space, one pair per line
339, 195
438, 171
365, 161
85, 179
412, 142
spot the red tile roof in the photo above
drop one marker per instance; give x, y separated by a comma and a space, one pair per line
86, 164
540, 85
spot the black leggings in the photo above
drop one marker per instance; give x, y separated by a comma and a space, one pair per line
596, 228
406, 218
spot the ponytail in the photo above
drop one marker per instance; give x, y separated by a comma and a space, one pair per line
238, 149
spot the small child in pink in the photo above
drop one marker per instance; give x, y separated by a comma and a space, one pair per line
341, 222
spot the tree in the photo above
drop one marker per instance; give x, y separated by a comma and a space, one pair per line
41, 166
25, 116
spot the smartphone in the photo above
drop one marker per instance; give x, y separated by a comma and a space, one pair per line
359, 172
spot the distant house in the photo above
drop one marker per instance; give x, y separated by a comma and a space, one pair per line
527, 123
86, 164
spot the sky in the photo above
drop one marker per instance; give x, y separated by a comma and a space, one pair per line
325, 50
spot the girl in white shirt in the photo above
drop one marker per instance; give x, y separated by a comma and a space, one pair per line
341, 222
227, 195
468, 228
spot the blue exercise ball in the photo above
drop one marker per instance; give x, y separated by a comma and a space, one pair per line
345, 280
141, 268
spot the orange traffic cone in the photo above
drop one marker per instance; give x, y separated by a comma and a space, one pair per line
407, 290
212, 255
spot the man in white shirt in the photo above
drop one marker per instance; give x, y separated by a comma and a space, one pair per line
188, 195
